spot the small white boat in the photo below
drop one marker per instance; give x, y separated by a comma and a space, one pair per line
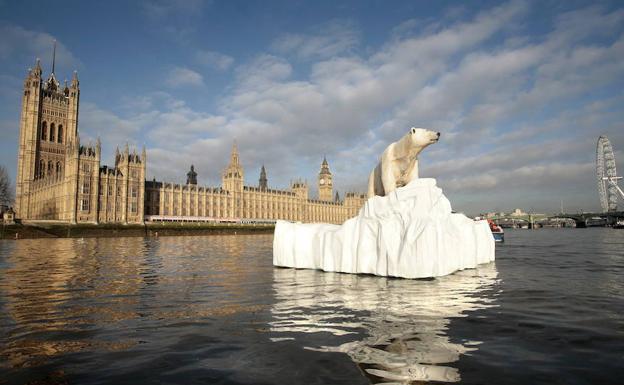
497, 232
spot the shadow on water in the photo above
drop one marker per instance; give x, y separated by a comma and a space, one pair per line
403, 322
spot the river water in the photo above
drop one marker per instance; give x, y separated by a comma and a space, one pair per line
213, 310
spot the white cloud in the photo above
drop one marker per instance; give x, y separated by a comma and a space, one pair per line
213, 59
335, 106
262, 71
181, 126
164, 9
519, 114
111, 129
177, 135
182, 77
329, 39
453, 79
175, 19
28, 45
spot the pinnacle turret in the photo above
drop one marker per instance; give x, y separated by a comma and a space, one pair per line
191, 176
263, 182
232, 178
74, 82
37, 71
53, 57
52, 84
234, 159
324, 167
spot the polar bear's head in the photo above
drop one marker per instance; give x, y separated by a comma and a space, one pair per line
421, 137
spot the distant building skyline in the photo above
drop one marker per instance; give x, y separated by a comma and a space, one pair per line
61, 179
520, 90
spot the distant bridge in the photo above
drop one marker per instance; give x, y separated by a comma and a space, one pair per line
583, 219
518, 220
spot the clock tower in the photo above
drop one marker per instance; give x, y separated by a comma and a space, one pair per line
325, 185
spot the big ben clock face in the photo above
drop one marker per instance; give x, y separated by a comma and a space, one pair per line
322, 181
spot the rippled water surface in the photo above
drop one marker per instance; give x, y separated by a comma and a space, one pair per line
204, 310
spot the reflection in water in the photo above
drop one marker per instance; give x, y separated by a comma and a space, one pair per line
405, 320
181, 310
91, 295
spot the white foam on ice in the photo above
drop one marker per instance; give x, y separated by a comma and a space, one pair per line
410, 233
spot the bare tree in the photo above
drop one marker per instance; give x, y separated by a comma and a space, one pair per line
6, 191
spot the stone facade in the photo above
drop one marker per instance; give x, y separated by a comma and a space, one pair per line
234, 201
60, 179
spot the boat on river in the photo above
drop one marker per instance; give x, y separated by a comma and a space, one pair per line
497, 232
596, 222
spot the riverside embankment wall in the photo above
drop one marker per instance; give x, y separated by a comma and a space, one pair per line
30, 231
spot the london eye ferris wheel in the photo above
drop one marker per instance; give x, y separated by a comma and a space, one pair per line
606, 174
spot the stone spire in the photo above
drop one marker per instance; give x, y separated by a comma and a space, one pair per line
52, 84
263, 182
191, 176
37, 71
232, 178
74, 82
325, 167
234, 159
53, 56
117, 156
234, 169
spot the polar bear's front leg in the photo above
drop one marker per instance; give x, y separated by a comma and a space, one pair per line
371, 184
413, 174
388, 180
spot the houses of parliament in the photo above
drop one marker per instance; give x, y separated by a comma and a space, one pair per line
61, 179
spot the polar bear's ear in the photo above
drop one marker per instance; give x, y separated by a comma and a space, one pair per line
413, 130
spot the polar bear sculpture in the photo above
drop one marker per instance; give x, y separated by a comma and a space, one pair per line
398, 164
405, 229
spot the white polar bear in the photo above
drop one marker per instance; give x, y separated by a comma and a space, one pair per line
398, 164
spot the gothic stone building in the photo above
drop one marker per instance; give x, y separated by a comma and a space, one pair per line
235, 201
58, 178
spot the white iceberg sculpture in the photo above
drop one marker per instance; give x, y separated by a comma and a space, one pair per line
409, 233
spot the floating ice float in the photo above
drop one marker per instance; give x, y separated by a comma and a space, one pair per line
409, 233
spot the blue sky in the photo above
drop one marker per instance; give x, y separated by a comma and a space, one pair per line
520, 90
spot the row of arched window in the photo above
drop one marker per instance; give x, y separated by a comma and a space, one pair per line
55, 135
49, 169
